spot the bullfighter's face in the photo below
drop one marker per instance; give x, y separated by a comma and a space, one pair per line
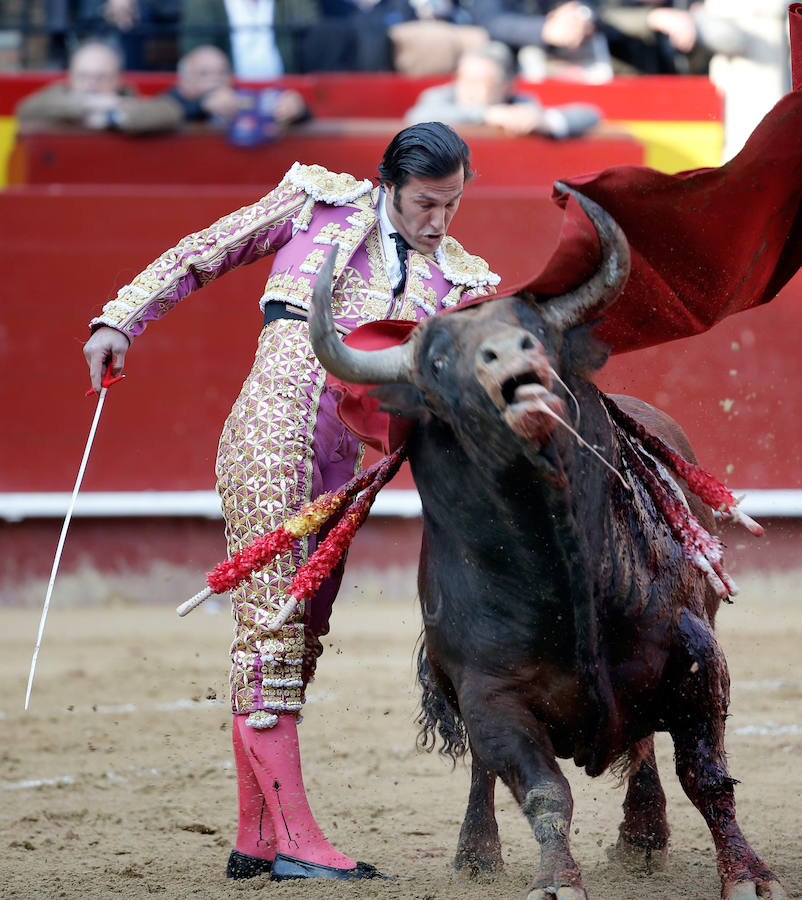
422, 209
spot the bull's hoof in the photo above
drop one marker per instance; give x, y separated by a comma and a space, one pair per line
566, 892
752, 890
636, 858
471, 866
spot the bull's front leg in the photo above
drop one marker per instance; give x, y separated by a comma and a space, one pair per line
479, 847
697, 728
514, 745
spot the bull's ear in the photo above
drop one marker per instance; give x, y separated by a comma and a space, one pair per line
584, 353
401, 400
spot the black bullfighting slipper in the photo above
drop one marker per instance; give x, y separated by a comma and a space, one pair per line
288, 867
240, 865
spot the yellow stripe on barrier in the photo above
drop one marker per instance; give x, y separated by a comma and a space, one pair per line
676, 146
8, 128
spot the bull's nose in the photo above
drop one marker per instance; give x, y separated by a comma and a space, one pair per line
504, 345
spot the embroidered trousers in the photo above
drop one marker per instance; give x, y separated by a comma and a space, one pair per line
281, 445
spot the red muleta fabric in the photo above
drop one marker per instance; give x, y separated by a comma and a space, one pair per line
705, 244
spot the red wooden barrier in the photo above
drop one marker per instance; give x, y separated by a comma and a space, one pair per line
351, 146
64, 250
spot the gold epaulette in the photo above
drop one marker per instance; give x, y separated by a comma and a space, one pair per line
327, 187
322, 186
461, 267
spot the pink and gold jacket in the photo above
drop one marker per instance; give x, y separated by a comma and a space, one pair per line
310, 210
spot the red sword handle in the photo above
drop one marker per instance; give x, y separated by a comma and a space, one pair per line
106, 382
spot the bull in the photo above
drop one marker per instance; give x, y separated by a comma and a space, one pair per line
561, 618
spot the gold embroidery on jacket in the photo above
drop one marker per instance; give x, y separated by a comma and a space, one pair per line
202, 252
379, 282
334, 188
453, 297
347, 238
408, 310
285, 286
357, 300
313, 261
362, 219
461, 267
420, 265
422, 295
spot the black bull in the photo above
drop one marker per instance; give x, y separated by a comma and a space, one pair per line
561, 618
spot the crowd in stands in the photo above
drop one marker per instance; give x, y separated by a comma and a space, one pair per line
741, 44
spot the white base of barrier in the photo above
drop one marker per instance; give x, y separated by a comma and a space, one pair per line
201, 504
206, 504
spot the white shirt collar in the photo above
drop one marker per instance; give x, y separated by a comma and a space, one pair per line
387, 228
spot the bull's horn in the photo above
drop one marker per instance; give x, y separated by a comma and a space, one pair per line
602, 288
389, 365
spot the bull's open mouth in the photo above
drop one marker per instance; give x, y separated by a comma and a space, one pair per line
531, 393
509, 389
532, 410
519, 384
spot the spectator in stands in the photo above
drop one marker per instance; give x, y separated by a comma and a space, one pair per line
146, 31
429, 36
94, 96
588, 40
61, 17
637, 47
352, 36
204, 87
205, 92
551, 36
261, 37
483, 93
749, 44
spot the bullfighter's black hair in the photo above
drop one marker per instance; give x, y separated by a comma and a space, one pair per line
428, 150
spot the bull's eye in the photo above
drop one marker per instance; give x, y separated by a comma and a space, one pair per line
437, 365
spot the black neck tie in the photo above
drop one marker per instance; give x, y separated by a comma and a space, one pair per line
402, 248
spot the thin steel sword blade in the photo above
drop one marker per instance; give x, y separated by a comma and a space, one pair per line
64, 527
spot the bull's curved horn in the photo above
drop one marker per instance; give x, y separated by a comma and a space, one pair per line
387, 366
604, 286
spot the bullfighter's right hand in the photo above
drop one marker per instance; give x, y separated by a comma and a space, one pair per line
106, 347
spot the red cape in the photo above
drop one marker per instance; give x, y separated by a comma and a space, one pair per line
704, 244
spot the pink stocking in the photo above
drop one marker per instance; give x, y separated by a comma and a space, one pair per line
255, 827
276, 763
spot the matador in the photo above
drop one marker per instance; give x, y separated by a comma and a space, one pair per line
283, 443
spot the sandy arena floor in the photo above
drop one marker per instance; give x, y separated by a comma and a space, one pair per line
119, 779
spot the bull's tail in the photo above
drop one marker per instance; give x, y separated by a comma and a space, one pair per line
438, 716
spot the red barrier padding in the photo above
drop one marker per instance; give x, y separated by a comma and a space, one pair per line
74, 157
65, 250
